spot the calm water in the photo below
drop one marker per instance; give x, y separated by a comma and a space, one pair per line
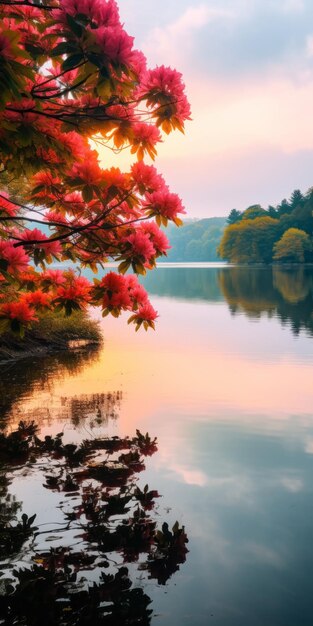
226, 385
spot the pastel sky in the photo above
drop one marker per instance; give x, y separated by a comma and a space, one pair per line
248, 69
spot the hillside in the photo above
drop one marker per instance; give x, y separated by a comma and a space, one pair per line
196, 240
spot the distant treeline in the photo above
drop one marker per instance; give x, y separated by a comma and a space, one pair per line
281, 234
197, 240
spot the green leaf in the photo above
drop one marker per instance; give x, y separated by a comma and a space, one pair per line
63, 48
123, 267
87, 193
35, 51
72, 61
74, 26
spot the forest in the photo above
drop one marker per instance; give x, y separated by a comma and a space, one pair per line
278, 234
197, 241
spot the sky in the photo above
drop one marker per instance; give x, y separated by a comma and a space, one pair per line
248, 70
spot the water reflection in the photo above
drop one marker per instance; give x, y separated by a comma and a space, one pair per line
186, 283
21, 378
286, 293
85, 568
226, 385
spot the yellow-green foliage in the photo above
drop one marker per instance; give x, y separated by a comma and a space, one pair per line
249, 240
293, 246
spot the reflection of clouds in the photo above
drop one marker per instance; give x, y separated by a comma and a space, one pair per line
294, 485
263, 554
234, 489
230, 489
309, 445
190, 476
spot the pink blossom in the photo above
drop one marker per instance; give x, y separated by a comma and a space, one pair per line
116, 300
48, 156
42, 241
89, 172
165, 82
131, 281
53, 277
103, 12
141, 245
117, 112
157, 236
77, 291
145, 313
5, 205
115, 44
138, 63
113, 282
164, 203
146, 134
55, 216
146, 177
16, 258
115, 293
139, 295
46, 179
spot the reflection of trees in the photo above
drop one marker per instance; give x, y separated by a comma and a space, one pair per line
285, 293
21, 377
294, 286
108, 537
185, 283
99, 408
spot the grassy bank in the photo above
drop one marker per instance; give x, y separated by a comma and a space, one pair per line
53, 333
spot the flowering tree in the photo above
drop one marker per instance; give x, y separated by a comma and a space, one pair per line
69, 72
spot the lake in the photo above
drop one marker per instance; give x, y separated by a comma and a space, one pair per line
225, 384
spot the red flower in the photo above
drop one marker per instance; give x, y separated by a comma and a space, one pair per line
145, 315
42, 242
37, 298
6, 206
141, 246
19, 311
53, 277
146, 136
115, 44
164, 203
157, 236
146, 177
16, 258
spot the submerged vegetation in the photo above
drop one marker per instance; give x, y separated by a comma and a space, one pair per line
76, 572
281, 234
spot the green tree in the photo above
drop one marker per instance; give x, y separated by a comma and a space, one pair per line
293, 247
234, 216
250, 240
284, 207
296, 199
253, 211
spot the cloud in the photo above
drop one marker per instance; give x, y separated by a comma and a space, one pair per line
175, 42
294, 6
309, 46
